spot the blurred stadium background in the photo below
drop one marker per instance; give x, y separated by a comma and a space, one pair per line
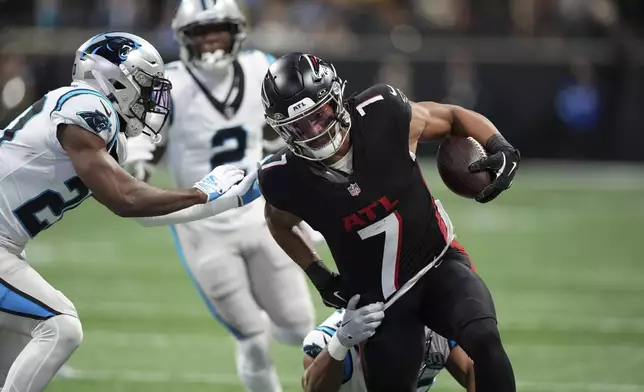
562, 79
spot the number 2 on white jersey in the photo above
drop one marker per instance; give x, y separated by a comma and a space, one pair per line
392, 227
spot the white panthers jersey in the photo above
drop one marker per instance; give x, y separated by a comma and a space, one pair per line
215, 123
437, 351
38, 182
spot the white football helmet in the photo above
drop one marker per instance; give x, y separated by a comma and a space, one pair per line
193, 14
130, 72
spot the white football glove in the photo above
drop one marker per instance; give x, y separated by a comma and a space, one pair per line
359, 324
247, 190
219, 181
140, 153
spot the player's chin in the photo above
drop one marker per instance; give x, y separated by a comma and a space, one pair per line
319, 143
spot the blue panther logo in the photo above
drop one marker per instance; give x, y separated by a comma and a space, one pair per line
113, 48
96, 120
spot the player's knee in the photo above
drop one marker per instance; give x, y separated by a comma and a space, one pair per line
68, 331
292, 323
253, 354
480, 336
293, 334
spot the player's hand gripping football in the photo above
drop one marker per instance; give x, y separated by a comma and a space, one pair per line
359, 324
219, 181
503, 160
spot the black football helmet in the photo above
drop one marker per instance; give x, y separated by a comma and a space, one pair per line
303, 102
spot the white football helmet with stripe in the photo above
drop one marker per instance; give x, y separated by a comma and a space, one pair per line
131, 74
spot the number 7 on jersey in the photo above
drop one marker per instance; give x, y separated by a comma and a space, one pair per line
391, 226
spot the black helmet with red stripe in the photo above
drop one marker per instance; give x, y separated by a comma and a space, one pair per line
303, 102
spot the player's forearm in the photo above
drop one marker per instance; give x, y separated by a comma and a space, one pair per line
292, 241
324, 375
142, 200
191, 214
469, 123
123, 194
469, 380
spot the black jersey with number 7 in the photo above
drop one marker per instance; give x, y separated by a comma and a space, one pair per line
380, 222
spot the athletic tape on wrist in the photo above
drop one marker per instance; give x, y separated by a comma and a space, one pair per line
336, 350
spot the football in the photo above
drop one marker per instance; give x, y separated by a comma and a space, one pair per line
455, 154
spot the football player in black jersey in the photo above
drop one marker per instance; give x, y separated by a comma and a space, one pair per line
350, 171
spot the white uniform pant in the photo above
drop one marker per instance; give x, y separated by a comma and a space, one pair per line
241, 273
27, 301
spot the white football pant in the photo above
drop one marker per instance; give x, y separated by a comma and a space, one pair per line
39, 327
243, 275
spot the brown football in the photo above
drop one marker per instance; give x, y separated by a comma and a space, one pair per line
455, 154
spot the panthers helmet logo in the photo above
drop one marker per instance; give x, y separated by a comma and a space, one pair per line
96, 120
115, 49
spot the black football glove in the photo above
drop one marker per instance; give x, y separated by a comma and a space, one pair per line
503, 160
328, 284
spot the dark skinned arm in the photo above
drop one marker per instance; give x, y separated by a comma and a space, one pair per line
461, 367
288, 235
286, 232
322, 374
114, 187
433, 121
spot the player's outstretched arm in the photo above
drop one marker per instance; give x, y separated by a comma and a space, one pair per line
284, 228
120, 192
431, 121
461, 367
244, 192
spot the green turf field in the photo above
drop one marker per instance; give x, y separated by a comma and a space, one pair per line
558, 252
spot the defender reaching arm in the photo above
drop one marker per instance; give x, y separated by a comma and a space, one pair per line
326, 373
241, 194
123, 194
324, 368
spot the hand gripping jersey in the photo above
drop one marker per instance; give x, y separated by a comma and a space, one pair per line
216, 122
437, 351
382, 225
37, 179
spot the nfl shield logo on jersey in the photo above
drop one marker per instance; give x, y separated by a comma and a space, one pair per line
354, 189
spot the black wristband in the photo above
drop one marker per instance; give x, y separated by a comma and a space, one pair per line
318, 273
497, 143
